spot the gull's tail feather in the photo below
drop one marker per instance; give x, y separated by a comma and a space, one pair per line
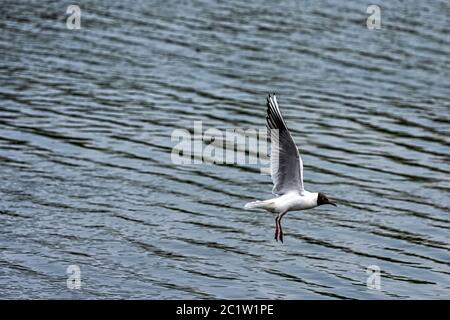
258, 204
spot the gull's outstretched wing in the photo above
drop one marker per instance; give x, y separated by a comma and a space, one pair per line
286, 165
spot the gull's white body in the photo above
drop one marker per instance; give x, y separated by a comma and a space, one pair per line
287, 202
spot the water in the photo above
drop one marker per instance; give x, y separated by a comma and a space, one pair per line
85, 143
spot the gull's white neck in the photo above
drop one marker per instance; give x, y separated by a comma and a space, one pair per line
308, 200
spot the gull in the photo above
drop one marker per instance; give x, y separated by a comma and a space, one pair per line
286, 168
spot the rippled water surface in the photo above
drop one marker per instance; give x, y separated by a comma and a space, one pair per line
86, 118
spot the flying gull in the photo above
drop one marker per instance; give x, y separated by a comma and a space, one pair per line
286, 168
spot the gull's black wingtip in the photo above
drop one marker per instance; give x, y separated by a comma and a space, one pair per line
268, 101
269, 98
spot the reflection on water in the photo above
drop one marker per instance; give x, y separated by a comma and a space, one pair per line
85, 127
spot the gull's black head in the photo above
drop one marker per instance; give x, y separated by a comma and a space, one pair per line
322, 199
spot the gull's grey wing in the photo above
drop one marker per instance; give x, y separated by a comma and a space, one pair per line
286, 165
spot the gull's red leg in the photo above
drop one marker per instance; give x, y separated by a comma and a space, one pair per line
281, 232
280, 228
276, 228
